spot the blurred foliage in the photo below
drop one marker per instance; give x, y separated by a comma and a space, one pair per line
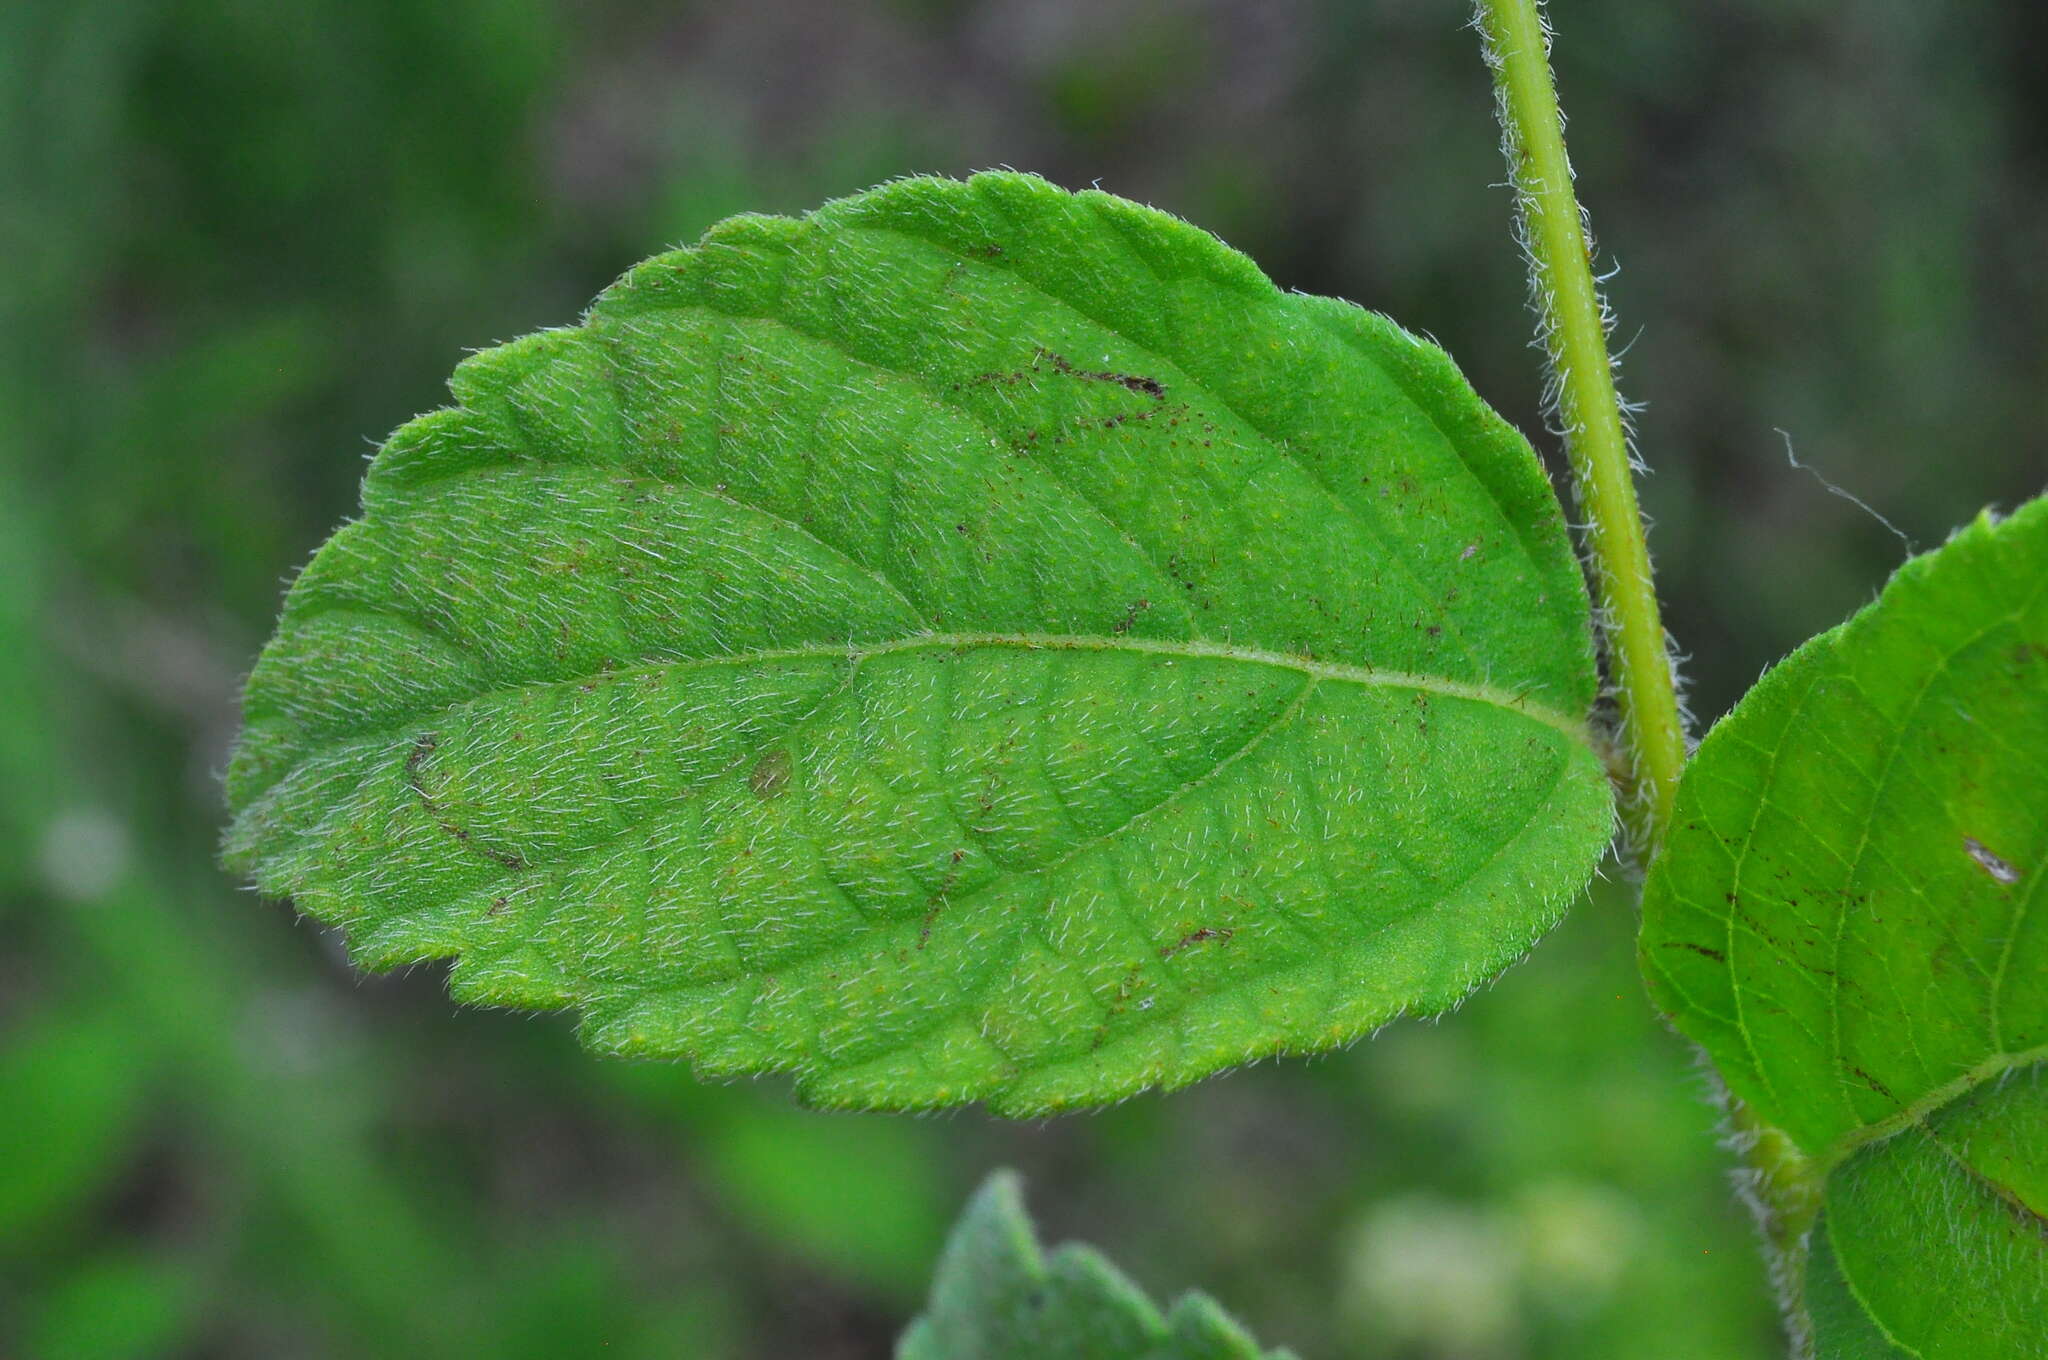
245, 240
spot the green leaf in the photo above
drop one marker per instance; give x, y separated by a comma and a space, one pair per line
996, 1296
1838, 1326
1938, 1236
976, 642
1846, 915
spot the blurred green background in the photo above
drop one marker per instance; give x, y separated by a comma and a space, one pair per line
240, 241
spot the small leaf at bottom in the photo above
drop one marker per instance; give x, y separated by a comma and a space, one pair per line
997, 1297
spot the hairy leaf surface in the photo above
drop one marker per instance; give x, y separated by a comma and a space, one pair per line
1937, 1238
996, 1296
1848, 916
975, 642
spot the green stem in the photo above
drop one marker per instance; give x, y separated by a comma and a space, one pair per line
1574, 332
1787, 1186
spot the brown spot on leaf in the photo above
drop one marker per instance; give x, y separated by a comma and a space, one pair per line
1195, 937
1150, 387
423, 746
1874, 1084
770, 775
1131, 612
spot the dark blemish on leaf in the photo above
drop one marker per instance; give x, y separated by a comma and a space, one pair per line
987, 251
1991, 864
936, 903
1130, 618
1716, 955
992, 782
496, 907
1110, 422
1195, 937
510, 861
1150, 387
423, 746
1134, 979
1762, 934
1874, 1084
1009, 378
770, 775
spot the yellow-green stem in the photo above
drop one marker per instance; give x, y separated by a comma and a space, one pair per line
1574, 331
1787, 1190
1589, 410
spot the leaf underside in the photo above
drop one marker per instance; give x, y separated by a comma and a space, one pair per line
975, 642
1847, 915
996, 1296
1938, 1236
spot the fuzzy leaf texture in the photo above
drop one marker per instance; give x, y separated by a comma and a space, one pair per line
974, 642
997, 1296
1848, 916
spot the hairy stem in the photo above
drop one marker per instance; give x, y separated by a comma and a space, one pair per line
1781, 1180
1573, 327
1784, 1189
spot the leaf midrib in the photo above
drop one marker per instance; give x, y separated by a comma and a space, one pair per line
1279, 449
1919, 1111
1577, 729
